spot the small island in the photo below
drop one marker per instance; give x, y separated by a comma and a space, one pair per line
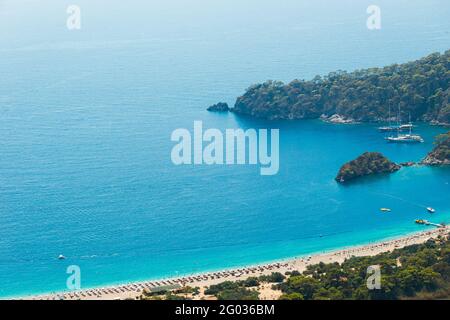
219, 107
441, 153
367, 164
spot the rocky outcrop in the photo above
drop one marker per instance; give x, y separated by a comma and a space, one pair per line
337, 118
367, 164
219, 107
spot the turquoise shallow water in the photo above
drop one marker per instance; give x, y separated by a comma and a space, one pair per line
86, 118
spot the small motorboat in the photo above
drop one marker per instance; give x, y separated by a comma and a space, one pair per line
61, 257
431, 210
385, 210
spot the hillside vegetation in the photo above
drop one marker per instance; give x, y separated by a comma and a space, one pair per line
419, 88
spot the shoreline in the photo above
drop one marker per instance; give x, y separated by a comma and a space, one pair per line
134, 290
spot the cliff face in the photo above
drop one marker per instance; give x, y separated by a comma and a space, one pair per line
419, 88
441, 153
367, 164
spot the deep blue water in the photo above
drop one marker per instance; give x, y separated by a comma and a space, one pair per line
86, 118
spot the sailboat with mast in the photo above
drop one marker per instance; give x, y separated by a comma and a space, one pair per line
399, 127
390, 127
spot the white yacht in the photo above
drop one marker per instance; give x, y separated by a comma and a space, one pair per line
405, 127
388, 128
406, 138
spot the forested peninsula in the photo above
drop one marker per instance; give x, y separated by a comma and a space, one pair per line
420, 89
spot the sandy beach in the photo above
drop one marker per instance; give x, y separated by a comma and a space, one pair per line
134, 290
